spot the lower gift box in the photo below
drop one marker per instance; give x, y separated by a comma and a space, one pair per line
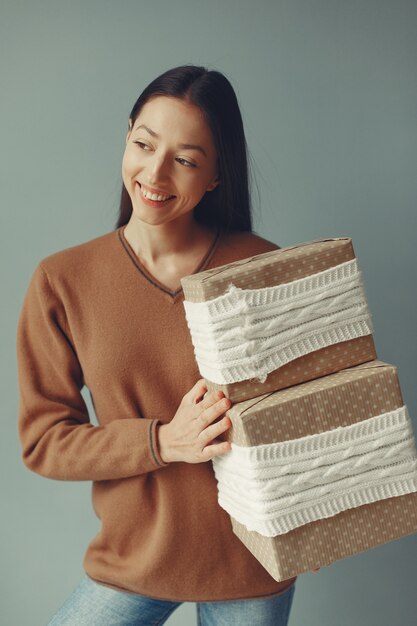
321, 471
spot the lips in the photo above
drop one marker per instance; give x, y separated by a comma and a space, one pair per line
153, 202
158, 192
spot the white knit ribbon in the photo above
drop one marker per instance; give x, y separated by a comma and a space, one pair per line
247, 333
274, 488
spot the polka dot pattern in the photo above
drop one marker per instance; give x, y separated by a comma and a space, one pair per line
275, 268
307, 367
341, 399
269, 268
325, 541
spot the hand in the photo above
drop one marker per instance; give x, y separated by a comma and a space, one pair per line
188, 435
315, 570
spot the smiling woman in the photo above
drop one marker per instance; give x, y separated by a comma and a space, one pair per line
190, 116
184, 172
109, 314
162, 171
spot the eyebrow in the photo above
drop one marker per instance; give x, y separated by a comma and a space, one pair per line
185, 146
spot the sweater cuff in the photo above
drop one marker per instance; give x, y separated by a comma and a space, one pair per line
153, 433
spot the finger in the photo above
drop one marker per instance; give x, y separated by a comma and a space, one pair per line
211, 432
210, 398
212, 412
197, 392
209, 452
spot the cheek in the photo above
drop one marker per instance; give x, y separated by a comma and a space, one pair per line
125, 176
129, 166
125, 162
195, 183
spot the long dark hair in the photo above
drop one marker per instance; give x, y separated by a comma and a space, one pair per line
229, 204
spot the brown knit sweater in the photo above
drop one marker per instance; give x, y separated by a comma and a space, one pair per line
93, 315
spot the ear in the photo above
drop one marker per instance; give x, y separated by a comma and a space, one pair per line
213, 184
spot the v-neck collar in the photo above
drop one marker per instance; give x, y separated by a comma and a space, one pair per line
152, 279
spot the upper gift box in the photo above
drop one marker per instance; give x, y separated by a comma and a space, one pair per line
279, 318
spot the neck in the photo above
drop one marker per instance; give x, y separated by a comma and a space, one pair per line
156, 242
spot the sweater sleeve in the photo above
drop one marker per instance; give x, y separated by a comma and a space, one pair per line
57, 438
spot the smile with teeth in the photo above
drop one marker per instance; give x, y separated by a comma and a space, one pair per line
153, 196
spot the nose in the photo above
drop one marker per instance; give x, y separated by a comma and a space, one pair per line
158, 169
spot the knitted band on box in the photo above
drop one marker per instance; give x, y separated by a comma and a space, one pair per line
247, 333
274, 488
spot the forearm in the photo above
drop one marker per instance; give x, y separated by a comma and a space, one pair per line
122, 448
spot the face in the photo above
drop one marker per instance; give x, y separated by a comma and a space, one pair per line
169, 152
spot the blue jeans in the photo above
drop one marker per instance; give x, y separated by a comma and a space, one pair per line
92, 604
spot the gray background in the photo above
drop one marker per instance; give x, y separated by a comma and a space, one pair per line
327, 90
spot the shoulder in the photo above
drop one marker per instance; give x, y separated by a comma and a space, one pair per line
239, 245
70, 273
77, 257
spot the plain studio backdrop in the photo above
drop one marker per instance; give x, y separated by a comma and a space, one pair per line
327, 90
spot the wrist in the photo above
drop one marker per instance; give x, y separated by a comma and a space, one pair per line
163, 442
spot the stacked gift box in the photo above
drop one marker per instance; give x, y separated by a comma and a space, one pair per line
323, 462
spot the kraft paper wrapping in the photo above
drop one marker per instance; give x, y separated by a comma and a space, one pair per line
337, 400
276, 268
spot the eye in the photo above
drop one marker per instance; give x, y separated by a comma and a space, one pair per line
141, 144
187, 163
184, 162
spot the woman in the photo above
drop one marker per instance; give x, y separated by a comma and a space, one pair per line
108, 314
